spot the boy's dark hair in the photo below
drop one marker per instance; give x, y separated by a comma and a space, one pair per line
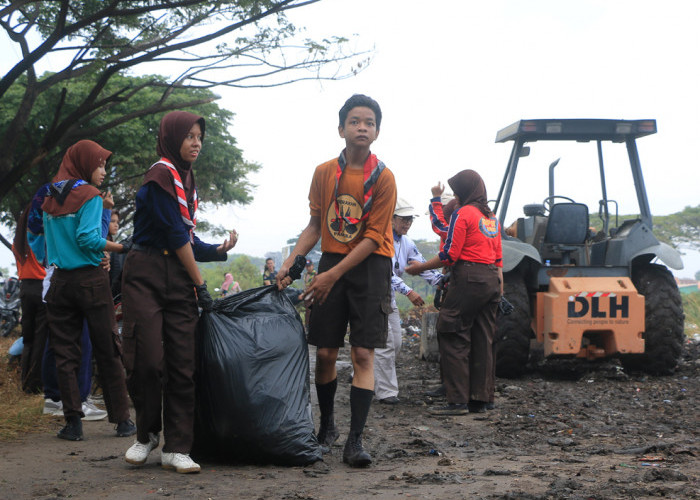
360, 100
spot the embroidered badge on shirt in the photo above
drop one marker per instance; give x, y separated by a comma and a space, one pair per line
349, 208
488, 227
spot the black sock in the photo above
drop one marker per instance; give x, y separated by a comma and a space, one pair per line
326, 399
360, 401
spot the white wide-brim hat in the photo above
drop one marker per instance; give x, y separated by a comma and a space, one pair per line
404, 209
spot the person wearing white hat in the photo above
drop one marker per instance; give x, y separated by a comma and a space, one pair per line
386, 387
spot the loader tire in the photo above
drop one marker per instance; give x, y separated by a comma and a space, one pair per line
663, 335
513, 334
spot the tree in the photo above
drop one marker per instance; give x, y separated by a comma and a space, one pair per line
244, 43
247, 273
221, 170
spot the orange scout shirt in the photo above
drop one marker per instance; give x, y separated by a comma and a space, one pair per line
376, 227
31, 269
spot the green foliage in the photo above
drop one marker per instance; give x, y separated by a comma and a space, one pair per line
681, 228
691, 308
221, 170
428, 249
246, 270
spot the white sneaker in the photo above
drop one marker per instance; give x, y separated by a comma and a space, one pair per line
92, 412
181, 462
138, 453
54, 408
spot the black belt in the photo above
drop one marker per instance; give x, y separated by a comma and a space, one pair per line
152, 250
470, 263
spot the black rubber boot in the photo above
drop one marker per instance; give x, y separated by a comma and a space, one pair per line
73, 430
360, 402
327, 432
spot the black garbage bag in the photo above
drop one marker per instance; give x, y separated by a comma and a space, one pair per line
252, 380
293, 294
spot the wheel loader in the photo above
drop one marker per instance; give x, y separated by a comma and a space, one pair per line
588, 286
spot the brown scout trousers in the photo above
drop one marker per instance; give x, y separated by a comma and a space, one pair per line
466, 328
72, 296
35, 332
160, 318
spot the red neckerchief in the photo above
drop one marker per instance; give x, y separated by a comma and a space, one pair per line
190, 221
372, 169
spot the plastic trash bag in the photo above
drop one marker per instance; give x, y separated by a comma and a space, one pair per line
253, 399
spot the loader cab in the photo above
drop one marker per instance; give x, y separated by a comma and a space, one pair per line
564, 228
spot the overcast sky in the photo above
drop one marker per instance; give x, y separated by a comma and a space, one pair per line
450, 74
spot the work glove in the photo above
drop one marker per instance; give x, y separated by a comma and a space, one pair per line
127, 244
444, 281
437, 299
505, 307
204, 300
297, 268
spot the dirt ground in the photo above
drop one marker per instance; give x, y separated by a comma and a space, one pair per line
562, 431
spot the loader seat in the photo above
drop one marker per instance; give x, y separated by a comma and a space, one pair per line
567, 229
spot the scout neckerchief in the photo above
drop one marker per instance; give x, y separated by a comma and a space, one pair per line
190, 221
372, 169
61, 189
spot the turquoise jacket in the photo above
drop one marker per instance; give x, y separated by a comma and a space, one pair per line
75, 240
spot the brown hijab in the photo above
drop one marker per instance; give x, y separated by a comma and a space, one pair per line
174, 127
470, 188
79, 162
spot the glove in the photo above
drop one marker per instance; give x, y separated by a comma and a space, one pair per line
296, 269
505, 307
204, 300
437, 300
444, 281
127, 244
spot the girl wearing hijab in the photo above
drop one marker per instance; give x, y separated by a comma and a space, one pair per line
228, 286
160, 278
79, 288
467, 321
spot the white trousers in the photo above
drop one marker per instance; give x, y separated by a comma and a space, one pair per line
385, 382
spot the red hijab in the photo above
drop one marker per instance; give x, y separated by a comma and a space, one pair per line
470, 188
174, 127
79, 162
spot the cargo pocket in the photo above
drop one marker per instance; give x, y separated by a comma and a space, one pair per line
385, 305
96, 294
385, 308
128, 345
